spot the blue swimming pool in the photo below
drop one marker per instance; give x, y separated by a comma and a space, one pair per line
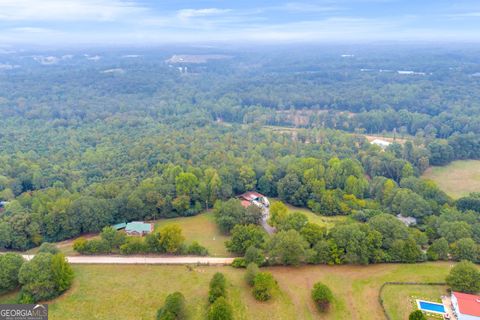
430, 306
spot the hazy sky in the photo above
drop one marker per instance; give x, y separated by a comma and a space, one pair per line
147, 21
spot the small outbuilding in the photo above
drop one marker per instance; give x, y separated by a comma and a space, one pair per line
466, 306
138, 228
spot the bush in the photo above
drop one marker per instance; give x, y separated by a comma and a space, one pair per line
417, 315
252, 270
133, 245
171, 238
10, 264
464, 277
263, 284
254, 255
239, 263
79, 244
220, 310
48, 247
44, 277
218, 287
174, 307
196, 249
113, 237
322, 296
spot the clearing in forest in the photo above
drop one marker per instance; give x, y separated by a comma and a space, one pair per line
457, 179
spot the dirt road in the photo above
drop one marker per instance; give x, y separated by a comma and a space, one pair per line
143, 260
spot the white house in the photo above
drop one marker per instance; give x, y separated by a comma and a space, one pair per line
466, 306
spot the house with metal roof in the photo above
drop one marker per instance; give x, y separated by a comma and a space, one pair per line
138, 228
466, 306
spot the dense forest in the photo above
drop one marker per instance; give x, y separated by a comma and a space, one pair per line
86, 142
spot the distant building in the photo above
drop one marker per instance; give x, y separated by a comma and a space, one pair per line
466, 306
255, 198
381, 143
408, 221
138, 228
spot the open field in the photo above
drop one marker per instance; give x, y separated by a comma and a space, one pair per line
137, 291
457, 179
328, 222
203, 229
400, 300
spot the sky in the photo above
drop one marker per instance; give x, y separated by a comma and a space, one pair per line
147, 22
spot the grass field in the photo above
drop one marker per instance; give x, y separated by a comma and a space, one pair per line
400, 300
457, 179
325, 221
137, 291
201, 228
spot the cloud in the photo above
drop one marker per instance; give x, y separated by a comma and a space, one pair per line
67, 10
185, 14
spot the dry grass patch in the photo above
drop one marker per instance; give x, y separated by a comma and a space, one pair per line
457, 179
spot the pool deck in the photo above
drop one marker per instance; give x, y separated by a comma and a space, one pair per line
447, 303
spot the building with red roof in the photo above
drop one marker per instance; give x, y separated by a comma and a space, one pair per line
466, 306
252, 197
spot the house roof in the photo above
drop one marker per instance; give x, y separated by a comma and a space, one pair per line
251, 195
119, 226
245, 203
468, 303
138, 226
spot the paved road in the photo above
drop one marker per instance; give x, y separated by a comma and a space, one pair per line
144, 260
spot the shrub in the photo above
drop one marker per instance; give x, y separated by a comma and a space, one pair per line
196, 249
263, 285
239, 263
218, 287
79, 244
252, 270
254, 255
44, 277
133, 245
174, 307
171, 238
220, 310
96, 246
48, 247
113, 237
464, 277
417, 315
10, 264
322, 296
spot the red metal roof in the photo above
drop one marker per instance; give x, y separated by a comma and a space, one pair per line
245, 203
468, 303
251, 195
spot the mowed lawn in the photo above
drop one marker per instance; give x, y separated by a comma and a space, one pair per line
201, 228
457, 179
400, 300
137, 291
